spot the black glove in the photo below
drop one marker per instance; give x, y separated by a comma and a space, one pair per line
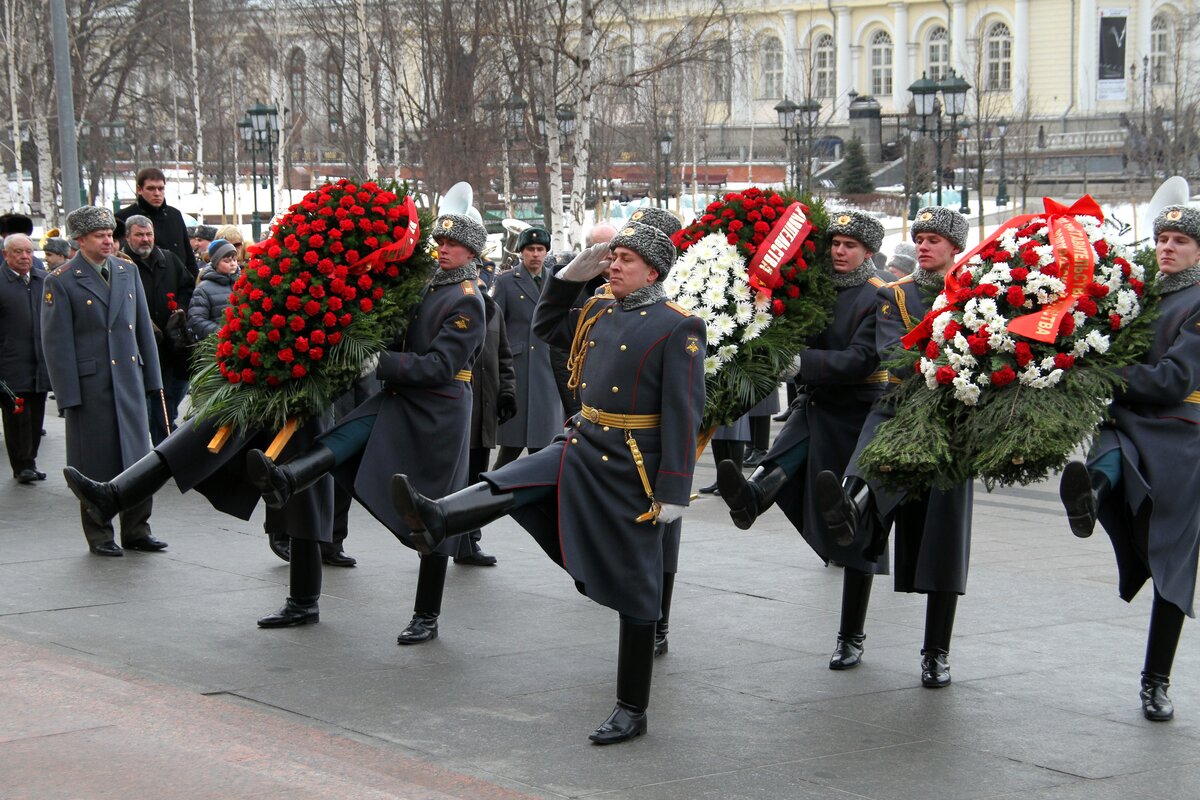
506, 407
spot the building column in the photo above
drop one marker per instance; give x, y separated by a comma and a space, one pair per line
742, 78
900, 57
791, 69
1087, 66
958, 38
845, 77
1020, 57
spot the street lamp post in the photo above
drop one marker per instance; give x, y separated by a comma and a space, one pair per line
963, 133
786, 110
810, 112
112, 134
953, 90
1002, 188
664, 144
265, 122
514, 119
246, 129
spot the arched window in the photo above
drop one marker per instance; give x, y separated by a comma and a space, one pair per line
333, 90
937, 53
824, 67
770, 68
717, 80
1160, 49
998, 57
881, 63
296, 80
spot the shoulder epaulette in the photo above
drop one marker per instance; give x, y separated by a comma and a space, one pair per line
876, 281
898, 281
468, 287
671, 304
60, 269
122, 259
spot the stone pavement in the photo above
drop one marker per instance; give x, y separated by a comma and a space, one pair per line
146, 677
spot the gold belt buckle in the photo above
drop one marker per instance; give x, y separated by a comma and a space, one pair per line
590, 414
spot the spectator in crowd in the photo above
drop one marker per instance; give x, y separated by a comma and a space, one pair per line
206, 312
903, 260
201, 237
233, 235
17, 223
168, 285
170, 232
22, 366
57, 252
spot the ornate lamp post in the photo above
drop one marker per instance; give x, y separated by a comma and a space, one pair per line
786, 110
963, 128
954, 95
514, 120
246, 130
664, 145
810, 112
1002, 188
264, 120
954, 99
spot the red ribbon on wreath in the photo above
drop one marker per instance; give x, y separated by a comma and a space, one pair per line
399, 250
780, 247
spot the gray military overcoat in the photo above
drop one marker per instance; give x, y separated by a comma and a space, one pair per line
643, 361
1153, 519
933, 529
423, 413
100, 352
539, 410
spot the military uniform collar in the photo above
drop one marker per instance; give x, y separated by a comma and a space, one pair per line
855, 277
1167, 284
928, 279
645, 296
446, 277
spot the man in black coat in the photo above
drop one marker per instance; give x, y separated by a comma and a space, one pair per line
169, 287
22, 366
170, 232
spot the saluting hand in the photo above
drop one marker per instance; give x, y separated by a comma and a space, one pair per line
588, 264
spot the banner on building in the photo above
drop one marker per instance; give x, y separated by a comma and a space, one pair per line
1110, 67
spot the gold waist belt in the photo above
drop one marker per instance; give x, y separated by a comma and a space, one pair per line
463, 375
628, 422
878, 376
1194, 397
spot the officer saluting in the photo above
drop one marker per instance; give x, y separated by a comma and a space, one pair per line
102, 359
595, 497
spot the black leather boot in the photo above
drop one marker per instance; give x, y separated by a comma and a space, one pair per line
304, 588
104, 500
431, 580
1081, 493
856, 595
939, 625
663, 626
747, 499
1156, 705
279, 482
635, 666
842, 504
431, 521
1166, 625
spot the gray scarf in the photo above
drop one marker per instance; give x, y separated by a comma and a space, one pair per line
1165, 284
928, 279
645, 296
855, 277
445, 277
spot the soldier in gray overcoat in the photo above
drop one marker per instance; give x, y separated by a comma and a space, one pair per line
1142, 477
838, 379
933, 528
102, 360
539, 416
418, 423
598, 499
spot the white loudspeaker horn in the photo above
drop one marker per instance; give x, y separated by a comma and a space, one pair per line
457, 200
1173, 192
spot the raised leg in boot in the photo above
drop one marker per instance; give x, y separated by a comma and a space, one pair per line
939, 626
635, 667
856, 595
842, 504
747, 499
431, 521
431, 580
304, 587
279, 482
1082, 491
1166, 623
103, 500
663, 626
